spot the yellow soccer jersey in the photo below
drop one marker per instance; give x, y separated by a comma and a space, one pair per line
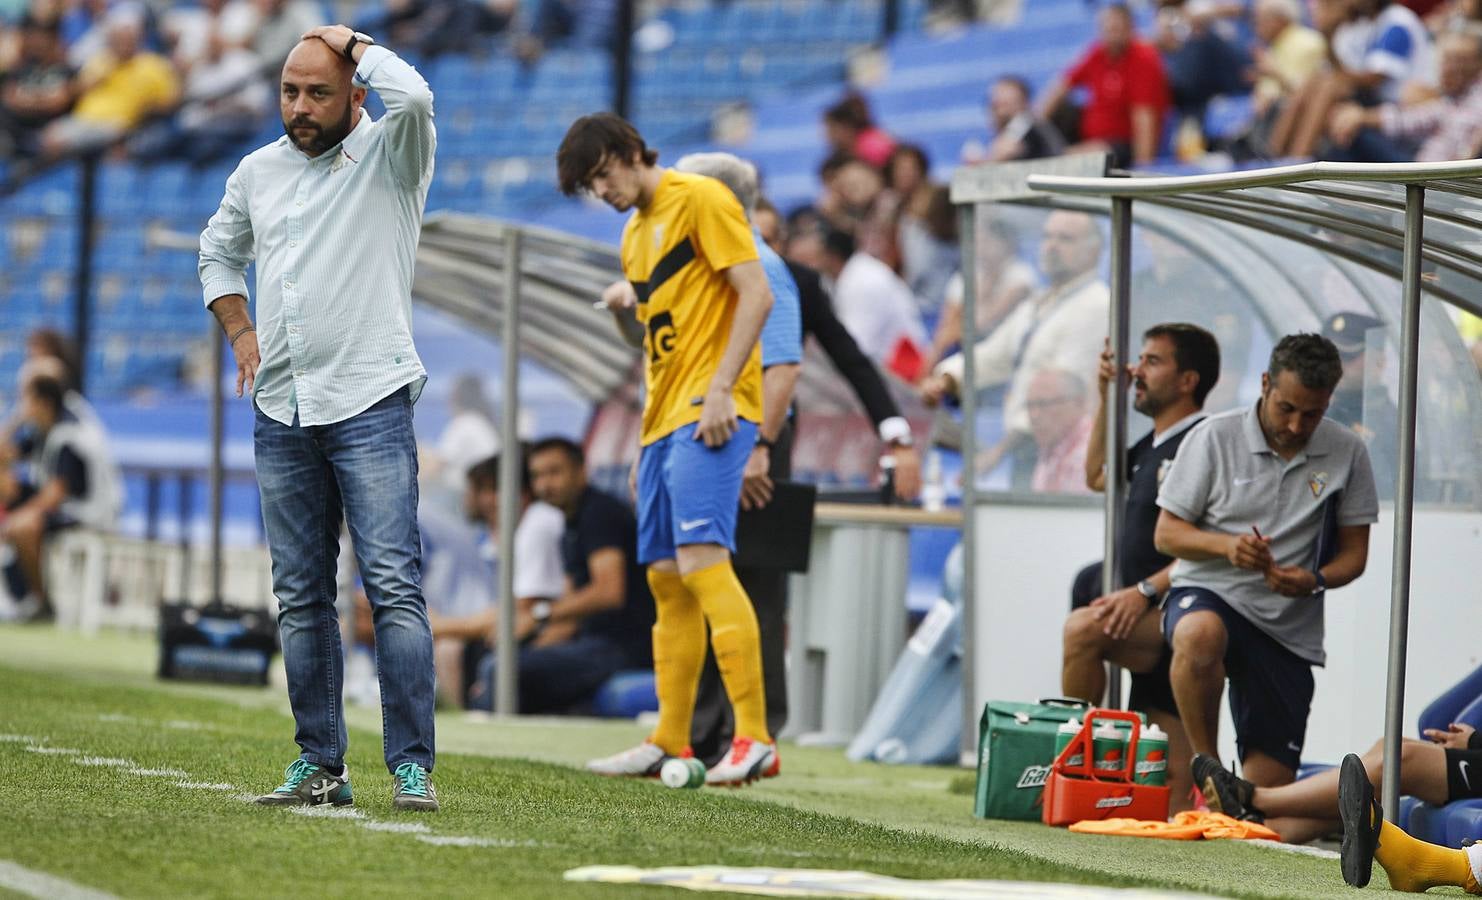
675, 252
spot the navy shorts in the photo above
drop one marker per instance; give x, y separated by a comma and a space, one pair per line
1270, 686
1150, 690
689, 493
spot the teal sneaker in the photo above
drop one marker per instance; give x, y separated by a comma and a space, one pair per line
412, 788
309, 784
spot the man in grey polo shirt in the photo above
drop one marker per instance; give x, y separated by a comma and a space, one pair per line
1264, 509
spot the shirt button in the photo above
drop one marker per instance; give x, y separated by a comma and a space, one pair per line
293, 243
288, 284
299, 203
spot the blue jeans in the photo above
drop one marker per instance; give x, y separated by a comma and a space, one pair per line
556, 678
362, 471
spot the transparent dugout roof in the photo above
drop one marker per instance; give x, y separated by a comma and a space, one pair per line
1296, 246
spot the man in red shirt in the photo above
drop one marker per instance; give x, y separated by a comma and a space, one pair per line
1128, 92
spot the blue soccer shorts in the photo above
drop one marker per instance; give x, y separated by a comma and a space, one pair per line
689, 493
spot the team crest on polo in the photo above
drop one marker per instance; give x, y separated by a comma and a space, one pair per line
1163, 468
1317, 482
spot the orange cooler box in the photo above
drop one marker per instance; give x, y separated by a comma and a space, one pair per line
1074, 793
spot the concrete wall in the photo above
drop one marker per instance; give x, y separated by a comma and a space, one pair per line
1027, 556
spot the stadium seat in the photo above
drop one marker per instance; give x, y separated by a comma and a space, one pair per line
626, 694
1449, 707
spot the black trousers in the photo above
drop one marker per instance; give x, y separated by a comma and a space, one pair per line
714, 723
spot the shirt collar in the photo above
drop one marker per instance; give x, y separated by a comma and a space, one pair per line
1177, 428
1255, 438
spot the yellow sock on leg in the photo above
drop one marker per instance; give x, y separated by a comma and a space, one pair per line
1414, 865
737, 645
679, 652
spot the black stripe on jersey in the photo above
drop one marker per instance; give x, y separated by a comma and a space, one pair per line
680, 256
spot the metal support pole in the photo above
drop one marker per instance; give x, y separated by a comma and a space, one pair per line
968, 391
1119, 315
622, 58
82, 285
506, 651
1399, 586
217, 471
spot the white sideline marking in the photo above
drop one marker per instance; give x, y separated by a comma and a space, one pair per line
114, 717
326, 811
54, 751
109, 761
206, 785
397, 827
160, 773
187, 725
32, 883
1298, 849
16, 739
454, 840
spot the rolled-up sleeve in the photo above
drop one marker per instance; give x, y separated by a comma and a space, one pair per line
226, 243
411, 139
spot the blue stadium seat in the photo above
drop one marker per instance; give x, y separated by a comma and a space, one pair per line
626, 694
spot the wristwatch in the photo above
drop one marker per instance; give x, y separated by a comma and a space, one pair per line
540, 611
1322, 583
358, 37
1149, 590
763, 442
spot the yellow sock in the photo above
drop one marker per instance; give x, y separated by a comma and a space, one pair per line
737, 645
1414, 865
679, 652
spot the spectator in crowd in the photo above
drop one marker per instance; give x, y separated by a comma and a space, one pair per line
1286, 54
1439, 128
803, 244
462, 643
189, 30
1017, 132
600, 623
72, 482
1060, 423
280, 25
1128, 92
222, 106
121, 89
850, 128
1246, 510
1003, 281
1200, 63
42, 86
1178, 366
875, 305
1378, 49
582, 23
843, 351
470, 435
441, 26
929, 250
905, 176
1361, 401
852, 194
1432, 770
1451, 15
1060, 328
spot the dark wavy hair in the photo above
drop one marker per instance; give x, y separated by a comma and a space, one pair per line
1312, 357
592, 139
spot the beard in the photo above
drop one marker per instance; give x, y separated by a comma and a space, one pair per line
1151, 404
317, 138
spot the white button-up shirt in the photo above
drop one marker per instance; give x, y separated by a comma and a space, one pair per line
335, 241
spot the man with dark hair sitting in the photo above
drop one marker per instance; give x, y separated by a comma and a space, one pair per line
1264, 509
599, 624
1178, 366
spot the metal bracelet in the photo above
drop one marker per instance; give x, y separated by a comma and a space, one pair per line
232, 342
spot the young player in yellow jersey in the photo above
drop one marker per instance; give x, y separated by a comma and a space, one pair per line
698, 290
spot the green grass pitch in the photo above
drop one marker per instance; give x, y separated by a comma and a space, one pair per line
516, 813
